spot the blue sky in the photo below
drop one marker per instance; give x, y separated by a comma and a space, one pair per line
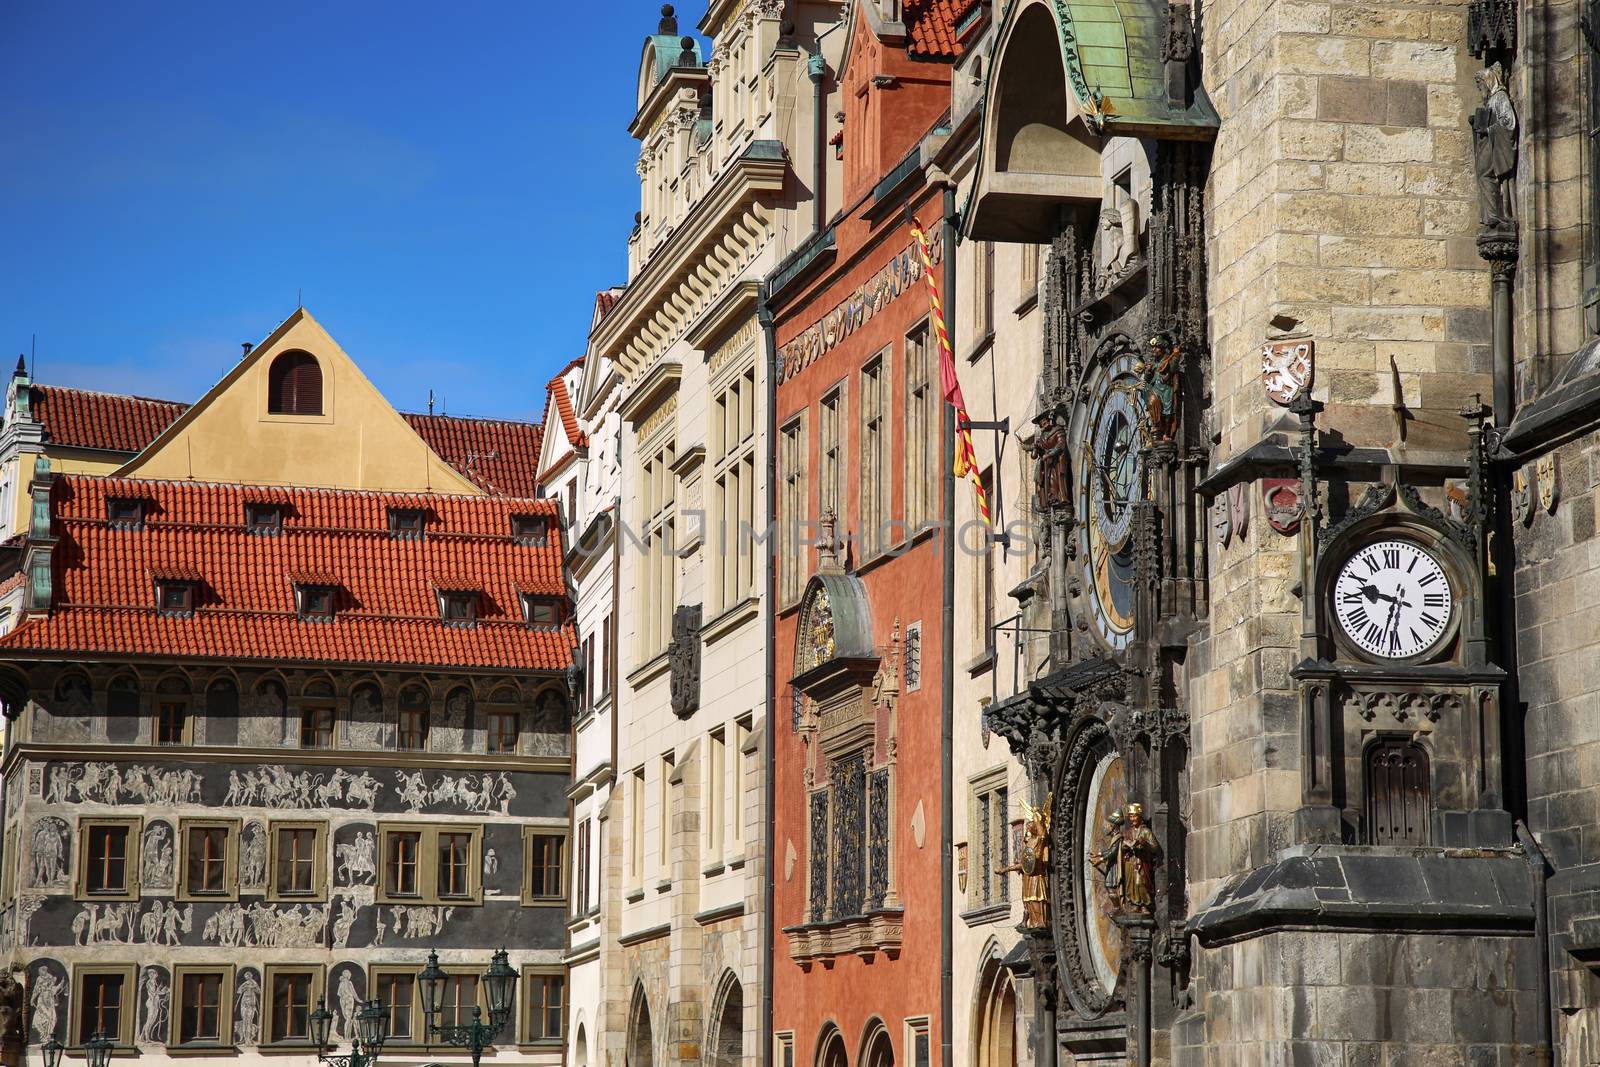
448, 185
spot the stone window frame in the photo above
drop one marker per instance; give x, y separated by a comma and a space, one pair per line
657, 502
529, 834
734, 465
502, 710
636, 817
914, 1027
269, 974
793, 506
741, 742
829, 757
134, 826
227, 972
378, 971
668, 769
714, 788
531, 972
428, 862
230, 859
985, 889
875, 452
128, 1006
833, 413
923, 429
160, 701
319, 875
783, 1048
459, 971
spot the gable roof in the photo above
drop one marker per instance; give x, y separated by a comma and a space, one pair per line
386, 607
82, 418
500, 456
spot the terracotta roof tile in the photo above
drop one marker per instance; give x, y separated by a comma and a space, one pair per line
80, 418
496, 455
931, 26
569, 415
605, 300
104, 604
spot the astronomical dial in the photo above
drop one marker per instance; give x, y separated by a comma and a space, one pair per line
1393, 600
1109, 482
1116, 460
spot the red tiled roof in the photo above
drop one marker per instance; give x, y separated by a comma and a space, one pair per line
388, 613
496, 455
605, 300
569, 415
79, 418
931, 26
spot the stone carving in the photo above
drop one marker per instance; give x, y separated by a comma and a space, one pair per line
356, 861
413, 921
153, 991
253, 855
1494, 137
1549, 490
48, 989
1033, 864
1521, 497
683, 655
106, 783
155, 856
1281, 500
1119, 237
260, 925
1221, 521
49, 853
1239, 508
1159, 372
11, 1035
247, 1011
1287, 369
1128, 861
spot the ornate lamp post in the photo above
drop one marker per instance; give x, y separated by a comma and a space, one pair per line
96, 1050
372, 1030
499, 986
50, 1052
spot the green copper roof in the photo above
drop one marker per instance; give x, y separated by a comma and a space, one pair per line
669, 48
1112, 50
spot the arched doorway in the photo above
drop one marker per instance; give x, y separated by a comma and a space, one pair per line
640, 1051
830, 1050
727, 1025
995, 1034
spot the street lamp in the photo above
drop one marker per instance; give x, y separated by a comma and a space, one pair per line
51, 1052
372, 1030
499, 984
97, 1050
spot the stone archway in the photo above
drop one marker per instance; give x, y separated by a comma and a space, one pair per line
830, 1050
878, 1049
995, 1035
640, 1049
726, 1037
580, 1048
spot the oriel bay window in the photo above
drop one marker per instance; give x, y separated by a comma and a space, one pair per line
299, 863
210, 859
108, 851
202, 1003
102, 998
292, 992
430, 864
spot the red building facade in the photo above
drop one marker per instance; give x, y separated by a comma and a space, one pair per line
857, 777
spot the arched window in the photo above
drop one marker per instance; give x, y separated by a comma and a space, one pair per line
1398, 792
640, 1049
830, 1050
726, 1036
877, 1050
294, 385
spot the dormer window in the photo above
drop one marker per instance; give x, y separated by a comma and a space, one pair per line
125, 513
407, 524
531, 530
175, 597
458, 607
542, 612
314, 603
264, 520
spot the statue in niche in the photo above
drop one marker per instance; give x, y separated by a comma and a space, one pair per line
1494, 137
1119, 236
1127, 861
1033, 863
1050, 476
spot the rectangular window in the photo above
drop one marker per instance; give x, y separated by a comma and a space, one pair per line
830, 441
792, 508
104, 1006
636, 827
664, 854
413, 722
716, 794
315, 602
203, 996
580, 876
265, 520
299, 868
109, 858
990, 829
316, 726
459, 608
454, 866
208, 859
123, 513
1030, 274
987, 565
397, 992
658, 588
983, 313
406, 524
460, 997
502, 732
545, 1016
175, 598
545, 878
172, 722
733, 473
923, 432
291, 994
543, 611
741, 738
913, 657
430, 864
919, 1039
874, 479
783, 1049
530, 530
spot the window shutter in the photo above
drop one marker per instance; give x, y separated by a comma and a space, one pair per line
294, 385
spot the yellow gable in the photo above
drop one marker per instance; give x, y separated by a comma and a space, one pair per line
251, 429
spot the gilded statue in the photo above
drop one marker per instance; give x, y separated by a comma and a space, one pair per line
1034, 865
1127, 861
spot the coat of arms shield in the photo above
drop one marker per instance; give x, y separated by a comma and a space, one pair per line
1286, 369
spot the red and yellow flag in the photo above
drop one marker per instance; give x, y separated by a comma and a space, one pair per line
966, 459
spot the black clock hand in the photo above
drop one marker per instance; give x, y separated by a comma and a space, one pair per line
1370, 591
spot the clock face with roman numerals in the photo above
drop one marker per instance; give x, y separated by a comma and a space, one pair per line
1393, 600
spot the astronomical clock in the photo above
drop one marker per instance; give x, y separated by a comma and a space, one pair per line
1119, 446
